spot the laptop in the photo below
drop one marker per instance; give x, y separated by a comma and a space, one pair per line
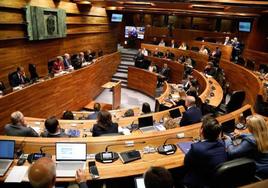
7, 148
184, 146
146, 124
228, 127
69, 158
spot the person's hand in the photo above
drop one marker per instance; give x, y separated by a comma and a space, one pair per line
80, 176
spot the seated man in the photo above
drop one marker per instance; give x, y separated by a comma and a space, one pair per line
183, 46
173, 44
2, 88
96, 109
192, 114
204, 156
42, 174
210, 69
169, 55
139, 57
162, 43
53, 128
158, 177
163, 74
89, 56
18, 126
18, 78
67, 61
58, 65
81, 58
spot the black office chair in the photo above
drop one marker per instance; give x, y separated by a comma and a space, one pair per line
263, 68
250, 65
33, 72
112, 134
236, 101
234, 173
11, 77
261, 106
50, 64
195, 48
241, 61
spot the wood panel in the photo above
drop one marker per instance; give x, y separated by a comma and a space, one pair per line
86, 20
258, 57
142, 80
14, 17
242, 79
68, 92
87, 29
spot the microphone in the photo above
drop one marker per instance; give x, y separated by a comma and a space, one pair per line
168, 149
109, 157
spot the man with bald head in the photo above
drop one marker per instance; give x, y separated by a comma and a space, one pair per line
192, 114
42, 174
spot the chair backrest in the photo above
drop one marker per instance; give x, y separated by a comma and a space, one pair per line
235, 173
10, 79
195, 48
236, 101
263, 68
250, 65
261, 106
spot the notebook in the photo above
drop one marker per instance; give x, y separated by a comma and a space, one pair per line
228, 126
146, 124
184, 146
69, 158
6, 155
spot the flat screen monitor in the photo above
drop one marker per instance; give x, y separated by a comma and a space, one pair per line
245, 26
117, 17
247, 113
7, 149
146, 121
134, 32
175, 113
71, 151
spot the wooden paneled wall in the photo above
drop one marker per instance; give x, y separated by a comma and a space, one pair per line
86, 29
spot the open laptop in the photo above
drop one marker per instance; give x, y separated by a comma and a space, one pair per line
247, 113
146, 124
69, 158
6, 155
139, 182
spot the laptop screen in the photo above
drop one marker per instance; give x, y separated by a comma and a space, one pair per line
175, 113
139, 182
7, 148
71, 151
228, 126
247, 113
146, 121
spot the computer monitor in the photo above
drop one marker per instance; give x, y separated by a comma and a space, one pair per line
175, 113
247, 113
146, 121
244, 26
228, 126
7, 149
139, 182
66, 151
117, 18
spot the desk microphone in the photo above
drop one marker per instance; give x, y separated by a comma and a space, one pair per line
109, 157
168, 149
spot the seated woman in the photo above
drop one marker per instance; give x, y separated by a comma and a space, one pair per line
183, 46
104, 124
171, 124
253, 145
58, 65
203, 50
146, 109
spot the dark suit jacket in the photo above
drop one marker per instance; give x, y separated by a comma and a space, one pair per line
97, 130
191, 116
58, 135
19, 130
165, 72
16, 81
201, 161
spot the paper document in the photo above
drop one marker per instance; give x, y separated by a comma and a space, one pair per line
17, 174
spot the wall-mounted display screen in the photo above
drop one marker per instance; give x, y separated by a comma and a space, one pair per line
134, 32
117, 17
245, 26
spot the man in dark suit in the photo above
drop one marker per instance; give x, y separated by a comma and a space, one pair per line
163, 74
139, 57
204, 156
96, 108
192, 114
18, 78
18, 126
67, 61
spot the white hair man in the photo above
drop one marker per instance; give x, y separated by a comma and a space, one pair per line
192, 114
18, 126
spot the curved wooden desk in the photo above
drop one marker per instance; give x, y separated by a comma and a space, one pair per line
200, 59
68, 92
117, 169
142, 80
176, 75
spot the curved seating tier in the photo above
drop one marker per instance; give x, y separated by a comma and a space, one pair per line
53, 96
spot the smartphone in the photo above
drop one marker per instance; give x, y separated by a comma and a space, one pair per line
93, 170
